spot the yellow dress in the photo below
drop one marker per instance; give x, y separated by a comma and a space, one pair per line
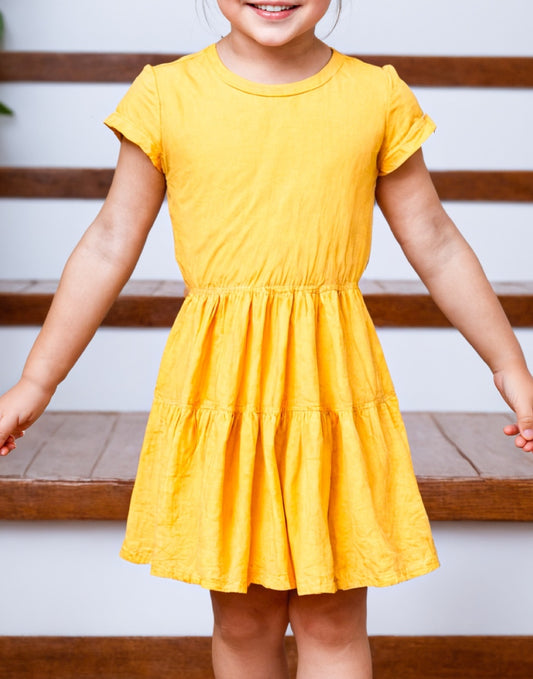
275, 452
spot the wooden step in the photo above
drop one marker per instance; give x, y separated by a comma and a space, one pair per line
90, 183
435, 71
143, 303
394, 657
82, 466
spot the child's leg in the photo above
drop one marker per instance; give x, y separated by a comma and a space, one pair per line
330, 632
249, 632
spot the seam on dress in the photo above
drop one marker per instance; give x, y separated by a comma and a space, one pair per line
215, 289
379, 400
160, 116
388, 113
420, 131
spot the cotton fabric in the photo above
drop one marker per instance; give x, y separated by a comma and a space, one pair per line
275, 452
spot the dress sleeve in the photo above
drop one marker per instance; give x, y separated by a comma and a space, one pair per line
137, 116
407, 127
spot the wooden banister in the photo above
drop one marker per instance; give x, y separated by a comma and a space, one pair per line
398, 304
434, 71
454, 185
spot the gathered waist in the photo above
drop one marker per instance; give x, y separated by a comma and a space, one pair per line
255, 289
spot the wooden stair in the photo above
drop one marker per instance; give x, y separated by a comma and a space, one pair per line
82, 465
78, 466
473, 657
155, 303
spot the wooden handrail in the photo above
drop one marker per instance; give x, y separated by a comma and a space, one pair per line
435, 71
404, 304
458, 185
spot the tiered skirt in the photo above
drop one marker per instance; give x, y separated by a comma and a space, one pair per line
275, 452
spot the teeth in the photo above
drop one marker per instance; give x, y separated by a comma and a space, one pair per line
274, 8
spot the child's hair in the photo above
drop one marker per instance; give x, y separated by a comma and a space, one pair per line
205, 12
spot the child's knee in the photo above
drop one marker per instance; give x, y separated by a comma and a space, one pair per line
243, 618
335, 620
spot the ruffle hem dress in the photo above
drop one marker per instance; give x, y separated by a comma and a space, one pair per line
275, 452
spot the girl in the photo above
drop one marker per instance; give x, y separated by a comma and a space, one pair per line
275, 469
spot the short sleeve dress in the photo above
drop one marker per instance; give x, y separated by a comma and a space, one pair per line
275, 452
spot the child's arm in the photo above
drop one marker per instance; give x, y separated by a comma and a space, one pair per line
95, 273
454, 277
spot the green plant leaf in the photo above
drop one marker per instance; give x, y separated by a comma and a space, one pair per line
1, 25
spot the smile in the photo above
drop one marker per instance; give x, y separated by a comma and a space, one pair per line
274, 8
278, 10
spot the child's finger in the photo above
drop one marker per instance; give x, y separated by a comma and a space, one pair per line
511, 429
518, 428
8, 445
525, 425
527, 447
526, 435
6, 441
520, 441
523, 443
523, 440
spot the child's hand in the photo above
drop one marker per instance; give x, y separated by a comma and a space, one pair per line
19, 408
9, 444
516, 387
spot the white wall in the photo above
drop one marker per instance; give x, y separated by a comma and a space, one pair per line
66, 578
368, 26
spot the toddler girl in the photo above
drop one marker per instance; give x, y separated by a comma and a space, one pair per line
275, 469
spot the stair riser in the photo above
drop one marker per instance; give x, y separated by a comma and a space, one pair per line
190, 657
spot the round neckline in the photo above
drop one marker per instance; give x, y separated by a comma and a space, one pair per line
276, 89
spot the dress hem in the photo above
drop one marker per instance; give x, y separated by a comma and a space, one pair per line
328, 584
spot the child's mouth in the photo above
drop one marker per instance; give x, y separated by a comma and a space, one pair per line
273, 11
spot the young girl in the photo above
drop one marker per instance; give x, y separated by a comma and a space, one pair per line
275, 469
